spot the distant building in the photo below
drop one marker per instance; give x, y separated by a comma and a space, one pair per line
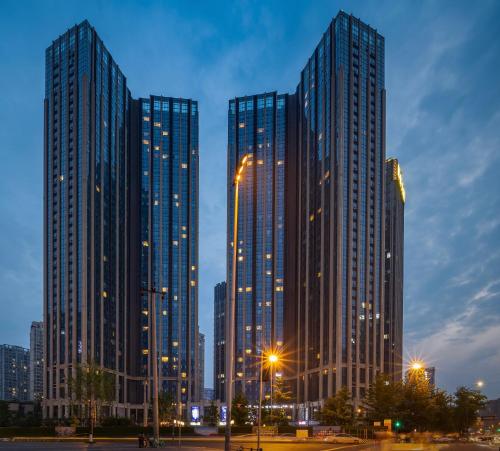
36, 360
393, 288
14, 373
219, 339
257, 127
209, 394
201, 364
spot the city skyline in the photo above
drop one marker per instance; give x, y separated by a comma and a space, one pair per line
436, 246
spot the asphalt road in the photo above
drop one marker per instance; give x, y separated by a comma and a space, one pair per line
208, 445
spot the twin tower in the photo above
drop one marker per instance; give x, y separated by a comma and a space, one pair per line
320, 228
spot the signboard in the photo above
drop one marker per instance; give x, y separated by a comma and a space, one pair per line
223, 414
388, 425
195, 414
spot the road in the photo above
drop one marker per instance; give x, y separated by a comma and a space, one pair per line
207, 445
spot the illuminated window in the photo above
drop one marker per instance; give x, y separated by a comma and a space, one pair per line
175, 344
239, 374
183, 374
164, 312
242, 125
175, 243
248, 289
248, 351
193, 268
184, 166
104, 294
146, 118
145, 351
240, 258
268, 256
193, 283
164, 133
164, 358
157, 124
145, 243
145, 312
61, 178
145, 141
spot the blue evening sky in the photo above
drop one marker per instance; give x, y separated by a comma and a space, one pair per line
443, 123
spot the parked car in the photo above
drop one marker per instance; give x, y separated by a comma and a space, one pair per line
342, 438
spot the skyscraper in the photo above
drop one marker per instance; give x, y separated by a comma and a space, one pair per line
337, 320
201, 364
85, 204
36, 361
120, 219
394, 251
166, 130
257, 128
14, 373
220, 291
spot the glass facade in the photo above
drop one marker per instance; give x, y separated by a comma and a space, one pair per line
257, 128
220, 291
169, 240
339, 239
14, 373
394, 258
86, 109
36, 361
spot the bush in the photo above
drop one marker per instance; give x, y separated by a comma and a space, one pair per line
116, 421
14, 431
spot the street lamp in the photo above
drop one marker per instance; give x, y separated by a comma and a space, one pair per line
231, 307
480, 384
154, 355
271, 359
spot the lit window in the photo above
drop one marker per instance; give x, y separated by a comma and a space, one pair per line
156, 203
157, 124
183, 389
268, 256
145, 351
164, 358
97, 188
242, 125
164, 312
146, 118
248, 351
145, 243
248, 289
240, 258
156, 147
175, 344
280, 162
164, 133
175, 243
145, 312
184, 166
279, 288
61, 178
104, 294
248, 328
145, 141
193, 268
184, 235
183, 374
240, 290
239, 374
165, 156
193, 283
164, 289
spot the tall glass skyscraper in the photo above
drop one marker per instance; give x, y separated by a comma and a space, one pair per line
257, 128
395, 198
220, 291
169, 239
85, 212
336, 277
120, 218
36, 361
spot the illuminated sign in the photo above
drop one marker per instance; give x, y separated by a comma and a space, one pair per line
195, 414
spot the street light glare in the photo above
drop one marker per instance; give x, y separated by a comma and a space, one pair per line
273, 358
417, 365
480, 384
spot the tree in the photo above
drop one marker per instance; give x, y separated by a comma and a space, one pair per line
239, 410
467, 403
442, 413
5, 416
212, 416
338, 410
382, 399
166, 407
91, 387
417, 403
281, 397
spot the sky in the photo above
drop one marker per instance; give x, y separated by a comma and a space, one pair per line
443, 124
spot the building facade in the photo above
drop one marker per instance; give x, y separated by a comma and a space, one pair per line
85, 166
336, 272
120, 219
220, 291
257, 128
168, 143
14, 373
395, 197
36, 361
201, 365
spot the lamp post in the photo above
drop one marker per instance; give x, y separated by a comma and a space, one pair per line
153, 352
271, 359
231, 308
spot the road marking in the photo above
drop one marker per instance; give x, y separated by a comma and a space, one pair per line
341, 447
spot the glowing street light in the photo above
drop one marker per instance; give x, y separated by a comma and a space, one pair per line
273, 358
480, 384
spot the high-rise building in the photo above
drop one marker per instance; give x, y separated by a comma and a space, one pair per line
36, 361
166, 131
394, 251
120, 219
336, 272
201, 364
220, 292
14, 373
257, 128
85, 203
